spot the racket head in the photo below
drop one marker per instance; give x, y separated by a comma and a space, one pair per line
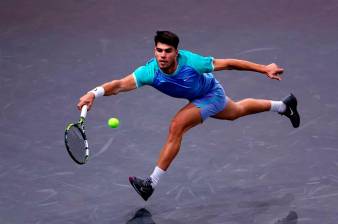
76, 143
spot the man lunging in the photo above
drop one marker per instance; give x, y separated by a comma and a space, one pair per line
184, 74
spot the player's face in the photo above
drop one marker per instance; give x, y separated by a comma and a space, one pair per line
166, 56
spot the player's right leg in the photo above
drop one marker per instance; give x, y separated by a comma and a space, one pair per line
188, 117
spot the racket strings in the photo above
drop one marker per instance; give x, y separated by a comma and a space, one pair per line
76, 143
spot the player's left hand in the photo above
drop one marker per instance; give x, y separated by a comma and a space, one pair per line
273, 71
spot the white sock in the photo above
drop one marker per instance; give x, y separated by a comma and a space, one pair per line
156, 175
278, 106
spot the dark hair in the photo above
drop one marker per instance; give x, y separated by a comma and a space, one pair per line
167, 37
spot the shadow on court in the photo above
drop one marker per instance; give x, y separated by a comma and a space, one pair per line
143, 216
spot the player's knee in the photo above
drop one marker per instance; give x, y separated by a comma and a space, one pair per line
176, 128
237, 112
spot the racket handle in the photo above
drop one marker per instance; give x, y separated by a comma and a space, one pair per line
84, 111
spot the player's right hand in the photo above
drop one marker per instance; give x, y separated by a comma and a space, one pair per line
87, 99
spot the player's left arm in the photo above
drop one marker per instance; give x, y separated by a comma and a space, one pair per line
273, 71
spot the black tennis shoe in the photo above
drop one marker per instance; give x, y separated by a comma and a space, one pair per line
291, 110
142, 186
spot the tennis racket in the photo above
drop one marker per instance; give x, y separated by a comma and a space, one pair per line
76, 140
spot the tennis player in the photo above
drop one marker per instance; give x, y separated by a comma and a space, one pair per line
184, 74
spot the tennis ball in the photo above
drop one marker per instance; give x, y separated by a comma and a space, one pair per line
113, 122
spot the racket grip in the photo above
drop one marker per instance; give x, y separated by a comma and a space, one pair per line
84, 111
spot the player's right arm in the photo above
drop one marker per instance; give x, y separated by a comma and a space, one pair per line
122, 85
110, 88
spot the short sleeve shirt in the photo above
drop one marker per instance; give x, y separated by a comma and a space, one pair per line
191, 79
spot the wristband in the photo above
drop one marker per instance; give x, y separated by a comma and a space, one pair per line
98, 91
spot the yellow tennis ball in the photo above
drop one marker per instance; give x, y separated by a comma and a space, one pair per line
113, 122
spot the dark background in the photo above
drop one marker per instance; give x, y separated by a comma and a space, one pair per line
253, 170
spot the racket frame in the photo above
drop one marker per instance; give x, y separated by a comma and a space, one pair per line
80, 125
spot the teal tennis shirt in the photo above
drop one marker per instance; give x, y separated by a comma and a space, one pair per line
192, 78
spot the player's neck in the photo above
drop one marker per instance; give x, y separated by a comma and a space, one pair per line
171, 69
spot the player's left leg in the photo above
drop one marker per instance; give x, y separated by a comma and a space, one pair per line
235, 110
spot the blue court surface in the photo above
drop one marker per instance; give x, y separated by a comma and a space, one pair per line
257, 169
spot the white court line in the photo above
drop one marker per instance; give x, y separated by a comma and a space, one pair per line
257, 50
104, 148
